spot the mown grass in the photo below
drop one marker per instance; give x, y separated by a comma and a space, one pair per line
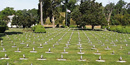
97, 38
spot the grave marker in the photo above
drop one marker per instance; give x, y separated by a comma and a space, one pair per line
33, 50
18, 50
81, 58
100, 60
61, 59
41, 58
120, 60
24, 58
65, 52
49, 51
5, 58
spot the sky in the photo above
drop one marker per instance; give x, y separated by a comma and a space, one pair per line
30, 4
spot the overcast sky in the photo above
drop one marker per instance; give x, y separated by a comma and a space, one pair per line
30, 4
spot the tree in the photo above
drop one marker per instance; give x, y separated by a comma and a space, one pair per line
120, 15
122, 19
34, 15
6, 12
50, 9
76, 16
108, 11
3, 26
92, 13
68, 5
25, 18
126, 20
128, 8
119, 6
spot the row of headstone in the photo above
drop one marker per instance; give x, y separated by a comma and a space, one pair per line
68, 43
60, 59
80, 47
28, 36
108, 37
70, 38
49, 51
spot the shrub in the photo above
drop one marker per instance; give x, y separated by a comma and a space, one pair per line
7, 28
39, 29
128, 30
73, 26
2, 29
3, 26
103, 27
120, 29
112, 28
123, 30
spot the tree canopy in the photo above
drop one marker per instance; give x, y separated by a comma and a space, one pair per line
90, 13
25, 18
6, 12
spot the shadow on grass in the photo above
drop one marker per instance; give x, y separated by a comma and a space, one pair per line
12, 33
48, 27
1, 39
8, 33
1, 34
89, 29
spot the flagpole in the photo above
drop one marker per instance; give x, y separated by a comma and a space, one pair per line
66, 2
66, 16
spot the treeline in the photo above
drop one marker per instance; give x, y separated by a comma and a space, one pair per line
22, 18
93, 13
118, 14
89, 12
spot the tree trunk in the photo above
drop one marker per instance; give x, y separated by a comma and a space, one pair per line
92, 27
23, 26
41, 13
53, 20
109, 17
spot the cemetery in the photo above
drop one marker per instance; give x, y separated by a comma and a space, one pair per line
64, 32
64, 46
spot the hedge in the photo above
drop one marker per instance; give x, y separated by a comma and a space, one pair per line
73, 26
120, 29
3, 26
2, 29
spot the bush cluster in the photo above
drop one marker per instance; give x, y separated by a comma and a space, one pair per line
119, 29
2, 29
3, 26
103, 27
38, 29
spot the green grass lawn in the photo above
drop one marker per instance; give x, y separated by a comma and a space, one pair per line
53, 36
